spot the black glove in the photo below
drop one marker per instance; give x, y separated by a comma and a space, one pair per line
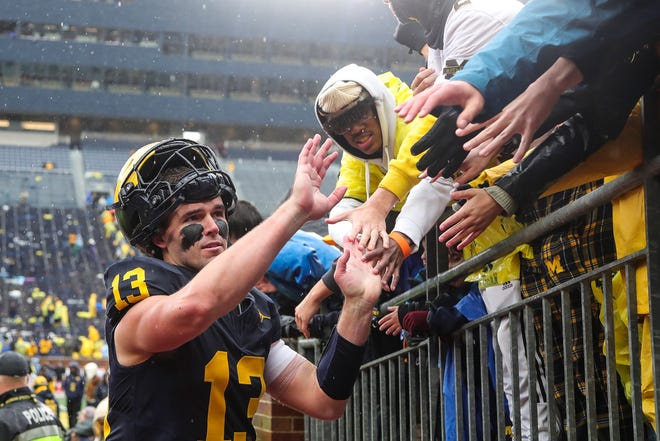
445, 149
411, 35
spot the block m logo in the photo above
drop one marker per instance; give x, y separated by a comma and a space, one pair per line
554, 265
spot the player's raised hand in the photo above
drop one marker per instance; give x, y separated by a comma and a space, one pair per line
313, 164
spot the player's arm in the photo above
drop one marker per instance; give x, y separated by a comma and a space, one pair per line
323, 391
294, 388
164, 323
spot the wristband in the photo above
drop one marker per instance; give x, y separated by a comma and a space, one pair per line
339, 367
402, 241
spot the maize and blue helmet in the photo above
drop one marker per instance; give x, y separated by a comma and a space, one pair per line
143, 200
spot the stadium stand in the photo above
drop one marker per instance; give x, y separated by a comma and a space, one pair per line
109, 77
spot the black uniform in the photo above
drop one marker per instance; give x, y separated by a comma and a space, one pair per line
209, 388
23, 417
74, 388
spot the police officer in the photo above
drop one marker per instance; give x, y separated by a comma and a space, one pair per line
22, 416
74, 387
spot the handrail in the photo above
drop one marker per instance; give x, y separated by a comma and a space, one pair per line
584, 204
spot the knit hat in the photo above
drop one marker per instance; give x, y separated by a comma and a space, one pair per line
13, 364
40, 384
340, 97
40, 381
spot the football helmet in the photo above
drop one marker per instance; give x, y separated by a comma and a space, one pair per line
143, 200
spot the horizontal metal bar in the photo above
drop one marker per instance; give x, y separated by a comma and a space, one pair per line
586, 203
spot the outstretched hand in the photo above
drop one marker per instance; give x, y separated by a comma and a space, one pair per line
462, 227
368, 224
389, 323
424, 79
526, 113
313, 164
473, 164
522, 116
356, 279
304, 312
444, 150
386, 261
446, 93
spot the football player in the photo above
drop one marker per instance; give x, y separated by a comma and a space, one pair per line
192, 346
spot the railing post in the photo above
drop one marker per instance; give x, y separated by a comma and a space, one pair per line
652, 203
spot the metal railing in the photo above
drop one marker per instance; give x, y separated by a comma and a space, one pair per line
394, 398
401, 397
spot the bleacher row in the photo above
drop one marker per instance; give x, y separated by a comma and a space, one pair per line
61, 251
21, 158
47, 242
261, 178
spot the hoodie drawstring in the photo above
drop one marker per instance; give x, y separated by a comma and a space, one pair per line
367, 179
367, 175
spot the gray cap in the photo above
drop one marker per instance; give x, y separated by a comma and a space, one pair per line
13, 364
340, 97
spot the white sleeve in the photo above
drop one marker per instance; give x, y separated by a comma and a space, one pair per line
436, 60
339, 230
425, 204
279, 357
469, 28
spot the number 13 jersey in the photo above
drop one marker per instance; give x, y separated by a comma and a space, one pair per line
207, 389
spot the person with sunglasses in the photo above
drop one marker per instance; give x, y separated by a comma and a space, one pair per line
356, 109
192, 345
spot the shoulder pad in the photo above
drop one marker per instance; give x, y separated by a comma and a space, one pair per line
132, 280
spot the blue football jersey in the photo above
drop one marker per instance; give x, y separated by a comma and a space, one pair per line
207, 389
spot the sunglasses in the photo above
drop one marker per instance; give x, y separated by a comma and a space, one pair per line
359, 114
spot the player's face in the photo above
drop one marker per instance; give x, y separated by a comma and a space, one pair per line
196, 233
365, 135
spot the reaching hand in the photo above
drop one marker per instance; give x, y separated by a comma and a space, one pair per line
304, 312
356, 278
390, 321
473, 164
445, 150
310, 305
525, 114
388, 260
447, 93
313, 163
423, 80
368, 220
474, 216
